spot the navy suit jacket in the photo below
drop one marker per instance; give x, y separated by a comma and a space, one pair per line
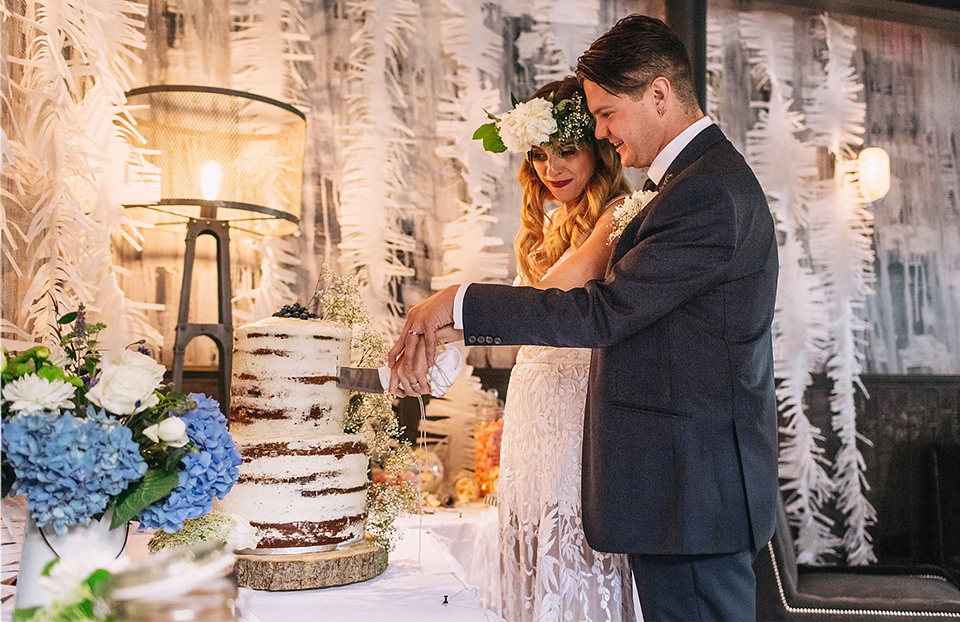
680, 428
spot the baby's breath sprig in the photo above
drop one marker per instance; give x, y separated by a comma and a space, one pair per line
371, 415
386, 502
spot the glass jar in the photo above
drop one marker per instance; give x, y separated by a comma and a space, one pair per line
194, 583
486, 438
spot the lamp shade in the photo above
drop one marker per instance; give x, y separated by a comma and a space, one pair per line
223, 154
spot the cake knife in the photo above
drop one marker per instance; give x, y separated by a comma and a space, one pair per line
369, 380
366, 379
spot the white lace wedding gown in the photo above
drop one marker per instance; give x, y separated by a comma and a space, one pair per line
548, 571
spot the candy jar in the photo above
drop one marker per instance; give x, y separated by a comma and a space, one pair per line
487, 437
190, 584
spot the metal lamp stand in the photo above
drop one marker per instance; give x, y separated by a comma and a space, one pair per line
221, 332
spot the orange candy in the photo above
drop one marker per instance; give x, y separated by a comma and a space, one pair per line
487, 454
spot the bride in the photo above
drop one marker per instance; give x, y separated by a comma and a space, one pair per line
548, 571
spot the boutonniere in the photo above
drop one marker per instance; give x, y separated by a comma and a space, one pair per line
627, 211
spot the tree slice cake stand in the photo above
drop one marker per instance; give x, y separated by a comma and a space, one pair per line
306, 571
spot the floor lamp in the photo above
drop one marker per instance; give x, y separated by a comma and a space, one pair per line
226, 160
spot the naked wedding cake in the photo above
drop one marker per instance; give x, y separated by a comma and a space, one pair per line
303, 482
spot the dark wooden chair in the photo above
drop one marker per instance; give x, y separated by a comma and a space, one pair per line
941, 528
787, 591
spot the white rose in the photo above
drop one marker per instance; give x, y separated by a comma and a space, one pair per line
172, 431
530, 123
126, 383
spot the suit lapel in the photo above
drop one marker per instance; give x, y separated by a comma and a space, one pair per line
709, 137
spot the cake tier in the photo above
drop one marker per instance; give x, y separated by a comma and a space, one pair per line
302, 493
285, 379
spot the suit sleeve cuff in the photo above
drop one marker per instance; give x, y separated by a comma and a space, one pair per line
458, 306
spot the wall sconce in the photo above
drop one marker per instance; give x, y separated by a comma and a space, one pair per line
874, 173
227, 159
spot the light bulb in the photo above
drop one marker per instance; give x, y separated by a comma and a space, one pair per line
874, 173
210, 180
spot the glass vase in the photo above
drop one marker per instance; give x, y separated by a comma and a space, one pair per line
43, 545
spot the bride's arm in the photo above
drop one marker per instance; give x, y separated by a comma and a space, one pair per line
587, 262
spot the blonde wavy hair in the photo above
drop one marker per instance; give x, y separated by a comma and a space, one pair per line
537, 251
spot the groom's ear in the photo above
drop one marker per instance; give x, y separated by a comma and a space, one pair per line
661, 89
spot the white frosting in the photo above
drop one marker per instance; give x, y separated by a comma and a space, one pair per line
288, 366
275, 501
286, 416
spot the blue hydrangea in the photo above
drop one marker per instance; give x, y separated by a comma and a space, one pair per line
204, 474
70, 468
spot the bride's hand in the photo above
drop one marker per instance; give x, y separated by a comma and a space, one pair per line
403, 376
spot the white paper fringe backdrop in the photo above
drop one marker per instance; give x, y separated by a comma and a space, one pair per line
67, 123
376, 141
715, 55
841, 234
470, 254
826, 258
267, 51
561, 30
800, 334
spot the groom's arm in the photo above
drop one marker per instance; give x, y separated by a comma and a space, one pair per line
688, 241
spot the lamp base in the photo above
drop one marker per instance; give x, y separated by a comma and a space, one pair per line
222, 332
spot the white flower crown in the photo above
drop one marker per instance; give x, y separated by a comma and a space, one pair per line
538, 122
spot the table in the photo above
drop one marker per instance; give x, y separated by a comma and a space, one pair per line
450, 555
435, 561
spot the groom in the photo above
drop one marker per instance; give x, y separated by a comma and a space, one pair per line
680, 429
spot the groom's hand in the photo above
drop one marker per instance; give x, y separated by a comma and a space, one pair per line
423, 320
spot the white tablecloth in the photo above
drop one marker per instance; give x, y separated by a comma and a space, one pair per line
435, 559
447, 554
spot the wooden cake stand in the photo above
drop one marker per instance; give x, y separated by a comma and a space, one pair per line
307, 571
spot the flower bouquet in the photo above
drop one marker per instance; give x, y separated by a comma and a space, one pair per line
89, 435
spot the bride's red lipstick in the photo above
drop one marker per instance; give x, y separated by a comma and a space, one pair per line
560, 184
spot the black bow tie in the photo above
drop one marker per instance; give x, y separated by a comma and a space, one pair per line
649, 186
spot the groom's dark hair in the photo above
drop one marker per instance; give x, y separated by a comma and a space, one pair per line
633, 53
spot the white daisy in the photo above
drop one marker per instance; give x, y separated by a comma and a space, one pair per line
31, 394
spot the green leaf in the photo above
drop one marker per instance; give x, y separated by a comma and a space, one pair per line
7, 477
27, 613
491, 116
69, 317
513, 100
49, 566
175, 456
484, 130
51, 373
155, 485
494, 144
97, 577
98, 581
491, 138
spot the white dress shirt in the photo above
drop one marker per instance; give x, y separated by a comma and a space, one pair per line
657, 170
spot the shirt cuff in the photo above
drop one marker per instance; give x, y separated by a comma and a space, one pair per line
458, 306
